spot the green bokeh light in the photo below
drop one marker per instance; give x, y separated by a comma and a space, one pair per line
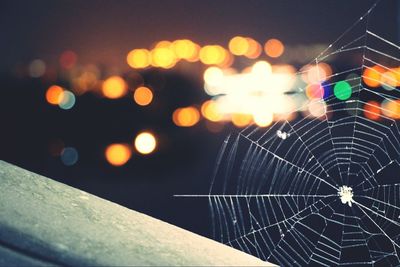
342, 90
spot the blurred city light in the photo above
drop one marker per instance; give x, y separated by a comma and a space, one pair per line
67, 100
37, 68
118, 154
238, 45
54, 94
68, 59
114, 87
274, 48
372, 76
210, 111
241, 120
145, 143
213, 55
372, 110
254, 49
162, 56
391, 108
185, 49
342, 90
186, 117
69, 156
143, 96
138, 58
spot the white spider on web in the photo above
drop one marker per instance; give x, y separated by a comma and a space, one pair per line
320, 190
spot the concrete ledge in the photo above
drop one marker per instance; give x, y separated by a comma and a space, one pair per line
43, 222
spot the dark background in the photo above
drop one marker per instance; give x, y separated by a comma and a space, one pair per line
103, 32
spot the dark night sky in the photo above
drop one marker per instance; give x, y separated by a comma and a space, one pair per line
103, 31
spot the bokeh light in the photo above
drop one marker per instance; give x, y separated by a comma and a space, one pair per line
241, 120
138, 58
317, 108
254, 49
274, 48
186, 117
118, 154
372, 110
37, 68
114, 87
342, 90
145, 143
210, 111
372, 76
388, 80
143, 96
212, 54
314, 91
68, 59
238, 45
262, 68
69, 156
185, 49
163, 57
54, 94
391, 108
263, 119
67, 100
213, 76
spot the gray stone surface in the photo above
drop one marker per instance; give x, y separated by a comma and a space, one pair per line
43, 222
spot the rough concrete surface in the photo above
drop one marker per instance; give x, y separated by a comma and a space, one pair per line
44, 222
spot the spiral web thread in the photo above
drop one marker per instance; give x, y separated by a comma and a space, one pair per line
279, 193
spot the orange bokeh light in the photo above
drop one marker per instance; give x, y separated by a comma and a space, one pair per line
372, 110
254, 50
186, 117
241, 120
54, 94
372, 76
143, 96
114, 87
391, 108
118, 154
274, 48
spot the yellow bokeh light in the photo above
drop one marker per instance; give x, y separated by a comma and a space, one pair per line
263, 119
145, 143
143, 96
185, 49
212, 54
54, 94
163, 44
118, 154
238, 45
163, 57
274, 48
138, 58
210, 111
114, 87
241, 120
186, 117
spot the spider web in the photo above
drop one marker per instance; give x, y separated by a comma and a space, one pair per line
275, 192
